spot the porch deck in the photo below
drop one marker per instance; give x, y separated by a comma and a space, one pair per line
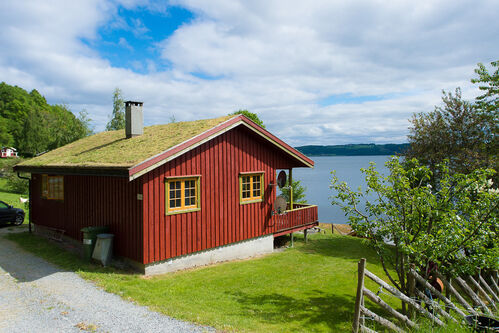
301, 217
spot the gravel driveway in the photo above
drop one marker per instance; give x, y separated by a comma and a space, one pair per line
36, 296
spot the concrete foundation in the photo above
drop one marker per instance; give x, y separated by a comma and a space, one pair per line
241, 250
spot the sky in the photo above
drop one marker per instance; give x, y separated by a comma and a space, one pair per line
316, 72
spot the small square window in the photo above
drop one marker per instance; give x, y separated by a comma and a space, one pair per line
53, 187
251, 187
182, 194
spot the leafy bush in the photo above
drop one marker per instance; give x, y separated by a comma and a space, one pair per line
16, 184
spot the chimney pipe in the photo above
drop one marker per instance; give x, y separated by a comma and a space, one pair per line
134, 119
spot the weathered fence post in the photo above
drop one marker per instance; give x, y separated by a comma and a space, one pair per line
461, 300
474, 297
446, 300
494, 283
480, 290
486, 286
402, 297
358, 299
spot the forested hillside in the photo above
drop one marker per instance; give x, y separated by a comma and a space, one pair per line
354, 149
31, 125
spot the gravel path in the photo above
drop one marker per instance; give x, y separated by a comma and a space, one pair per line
36, 296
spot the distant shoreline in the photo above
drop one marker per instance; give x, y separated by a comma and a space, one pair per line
370, 149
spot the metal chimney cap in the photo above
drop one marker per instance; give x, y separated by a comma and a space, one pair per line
127, 103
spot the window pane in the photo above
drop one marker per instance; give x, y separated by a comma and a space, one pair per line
256, 186
177, 203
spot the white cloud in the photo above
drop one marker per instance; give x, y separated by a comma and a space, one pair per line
124, 43
276, 58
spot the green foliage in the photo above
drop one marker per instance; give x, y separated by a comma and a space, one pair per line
489, 84
6, 138
16, 184
253, 116
298, 192
32, 126
118, 116
453, 224
35, 133
456, 131
464, 132
11, 182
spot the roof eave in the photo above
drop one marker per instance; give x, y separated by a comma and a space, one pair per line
182, 148
75, 170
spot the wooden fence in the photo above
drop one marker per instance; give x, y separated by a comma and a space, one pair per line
485, 305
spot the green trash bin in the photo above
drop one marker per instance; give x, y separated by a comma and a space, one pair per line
89, 238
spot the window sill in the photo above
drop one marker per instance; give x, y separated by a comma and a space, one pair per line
175, 212
243, 202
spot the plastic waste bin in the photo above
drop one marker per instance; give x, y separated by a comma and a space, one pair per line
89, 238
103, 251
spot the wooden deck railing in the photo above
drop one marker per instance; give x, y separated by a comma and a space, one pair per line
300, 215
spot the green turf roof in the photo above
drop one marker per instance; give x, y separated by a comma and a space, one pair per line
112, 149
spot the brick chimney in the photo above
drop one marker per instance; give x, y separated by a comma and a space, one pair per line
134, 119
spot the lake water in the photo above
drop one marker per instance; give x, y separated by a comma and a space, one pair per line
318, 179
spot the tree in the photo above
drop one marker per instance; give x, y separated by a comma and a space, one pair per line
35, 133
253, 116
456, 131
298, 192
488, 104
83, 125
118, 116
31, 125
6, 139
489, 84
453, 225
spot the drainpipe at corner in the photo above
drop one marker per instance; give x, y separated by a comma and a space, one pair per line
29, 198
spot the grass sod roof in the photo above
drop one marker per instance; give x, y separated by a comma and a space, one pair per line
112, 149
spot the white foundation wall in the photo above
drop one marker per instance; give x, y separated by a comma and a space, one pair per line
240, 250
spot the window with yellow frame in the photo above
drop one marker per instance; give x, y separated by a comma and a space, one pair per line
251, 187
182, 194
53, 187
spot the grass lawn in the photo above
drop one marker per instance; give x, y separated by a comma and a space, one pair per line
310, 287
13, 198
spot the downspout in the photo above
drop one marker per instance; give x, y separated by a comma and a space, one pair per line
29, 198
290, 189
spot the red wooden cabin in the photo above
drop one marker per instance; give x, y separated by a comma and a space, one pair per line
179, 195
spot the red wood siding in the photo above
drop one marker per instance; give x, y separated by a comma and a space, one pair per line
93, 201
222, 219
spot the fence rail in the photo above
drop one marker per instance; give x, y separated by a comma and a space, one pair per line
482, 287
